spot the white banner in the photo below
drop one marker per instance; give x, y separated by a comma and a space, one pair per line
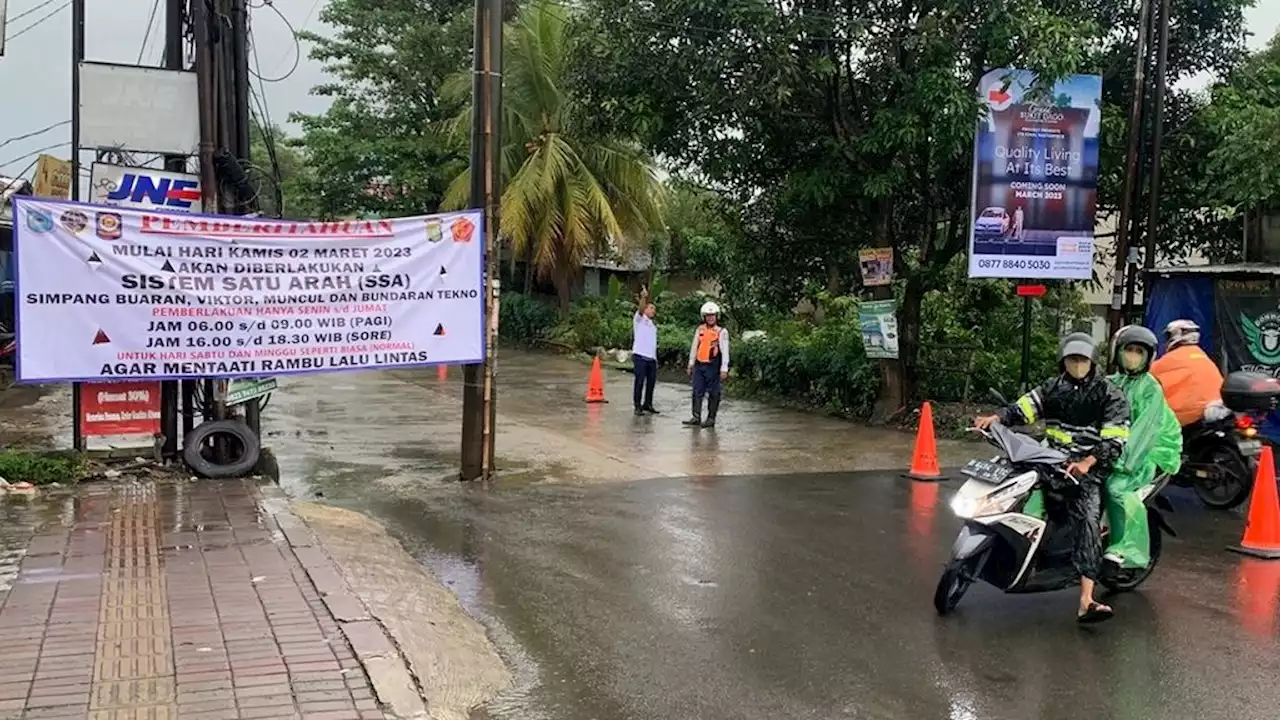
113, 293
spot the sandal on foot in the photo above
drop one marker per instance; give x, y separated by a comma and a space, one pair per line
1096, 613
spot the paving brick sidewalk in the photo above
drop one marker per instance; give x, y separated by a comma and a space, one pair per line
166, 600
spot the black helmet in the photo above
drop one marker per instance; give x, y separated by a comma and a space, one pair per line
1133, 335
1078, 343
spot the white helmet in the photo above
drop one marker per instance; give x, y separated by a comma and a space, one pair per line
710, 308
1181, 332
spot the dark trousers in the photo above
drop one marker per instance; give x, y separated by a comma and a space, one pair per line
646, 378
1084, 516
706, 383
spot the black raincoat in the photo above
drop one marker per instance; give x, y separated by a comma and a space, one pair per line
1082, 417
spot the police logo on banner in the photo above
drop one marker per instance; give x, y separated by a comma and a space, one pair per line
109, 226
74, 221
39, 221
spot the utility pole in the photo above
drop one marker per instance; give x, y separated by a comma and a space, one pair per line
1157, 142
1116, 316
173, 60
478, 410
241, 123
77, 57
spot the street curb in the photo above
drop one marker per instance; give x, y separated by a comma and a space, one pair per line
394, 683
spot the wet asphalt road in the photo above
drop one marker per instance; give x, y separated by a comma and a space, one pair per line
809, 596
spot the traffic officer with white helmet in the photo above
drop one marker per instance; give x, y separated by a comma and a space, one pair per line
708, 365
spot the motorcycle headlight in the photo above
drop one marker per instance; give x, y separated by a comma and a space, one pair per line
964, 507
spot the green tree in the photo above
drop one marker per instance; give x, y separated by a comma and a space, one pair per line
844, 125
1243, 124
568, 192
375, 150
274, 153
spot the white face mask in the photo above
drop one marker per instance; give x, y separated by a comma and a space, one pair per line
1133, 358
1078, 367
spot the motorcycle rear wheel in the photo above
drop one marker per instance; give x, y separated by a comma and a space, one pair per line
1128, 580
1233, 483
954, 583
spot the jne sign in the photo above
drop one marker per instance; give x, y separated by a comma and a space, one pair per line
116, 293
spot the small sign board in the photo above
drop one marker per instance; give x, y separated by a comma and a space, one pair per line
242, 390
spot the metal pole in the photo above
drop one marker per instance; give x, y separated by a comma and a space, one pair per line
1116, 316
206, 90
478, 378
173, 60
1157, 141
77, 56
1025, 376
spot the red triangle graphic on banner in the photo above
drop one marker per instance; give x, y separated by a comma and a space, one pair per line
439, 330
101, 338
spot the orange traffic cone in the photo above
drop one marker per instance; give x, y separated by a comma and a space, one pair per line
595, 383
442, 372
1262, 530
924, 460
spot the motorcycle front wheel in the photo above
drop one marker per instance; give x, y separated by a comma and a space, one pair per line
954, 583
1230, 482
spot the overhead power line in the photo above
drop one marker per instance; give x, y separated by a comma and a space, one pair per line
37, 23
34, 133
20, 158
28, 11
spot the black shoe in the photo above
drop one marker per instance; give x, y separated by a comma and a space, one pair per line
639, 412
651, 410
694, 421
709, 423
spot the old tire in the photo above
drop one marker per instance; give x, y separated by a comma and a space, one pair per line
243, 445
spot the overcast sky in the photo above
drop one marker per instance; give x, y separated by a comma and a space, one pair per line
35, 71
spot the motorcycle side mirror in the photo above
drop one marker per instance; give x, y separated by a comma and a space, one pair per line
997, 396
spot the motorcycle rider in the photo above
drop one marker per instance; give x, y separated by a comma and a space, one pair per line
1191, 380
708, 365
1088, 418
1155, 444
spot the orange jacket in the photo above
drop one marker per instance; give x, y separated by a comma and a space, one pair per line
1191, 381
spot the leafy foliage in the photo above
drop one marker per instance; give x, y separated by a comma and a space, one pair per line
1244, 121
568, 193
845, 125
375, 150
296, 174
39, 468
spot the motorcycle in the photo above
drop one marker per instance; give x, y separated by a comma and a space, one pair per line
1020, 553
1220, 453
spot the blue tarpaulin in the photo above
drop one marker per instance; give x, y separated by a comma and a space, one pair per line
1189, 294
1181, 297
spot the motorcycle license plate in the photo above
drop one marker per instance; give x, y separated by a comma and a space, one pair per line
986, 471
1251, 447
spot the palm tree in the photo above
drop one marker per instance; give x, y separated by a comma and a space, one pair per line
568, 193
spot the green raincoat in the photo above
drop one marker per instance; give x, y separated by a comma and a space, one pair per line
1155, 444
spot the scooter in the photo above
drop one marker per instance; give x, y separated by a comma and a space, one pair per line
1220, 453
1020, 553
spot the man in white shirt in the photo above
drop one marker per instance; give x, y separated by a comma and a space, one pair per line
644, 354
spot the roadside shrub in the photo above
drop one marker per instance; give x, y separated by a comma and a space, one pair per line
524, 320
39, 468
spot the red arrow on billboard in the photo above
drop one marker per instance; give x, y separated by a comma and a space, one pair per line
999, 95
1032, 290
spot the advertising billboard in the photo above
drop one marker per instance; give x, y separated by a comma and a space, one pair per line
1035, 178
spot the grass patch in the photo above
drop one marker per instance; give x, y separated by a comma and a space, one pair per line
39, 468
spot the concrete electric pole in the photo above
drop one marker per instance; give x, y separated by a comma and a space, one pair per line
478, 408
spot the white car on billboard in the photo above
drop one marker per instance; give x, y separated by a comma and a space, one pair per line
992, 222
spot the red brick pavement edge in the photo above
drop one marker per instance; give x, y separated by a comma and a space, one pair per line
204, 601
